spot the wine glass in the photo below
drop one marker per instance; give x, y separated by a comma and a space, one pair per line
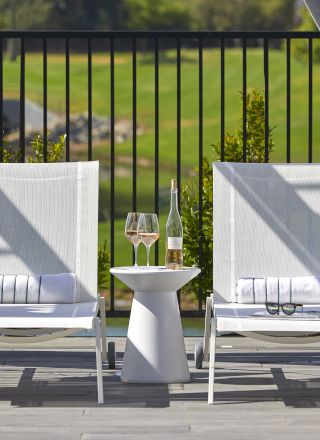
131, 232
148, 231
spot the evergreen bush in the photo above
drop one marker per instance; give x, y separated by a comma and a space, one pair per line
233, 152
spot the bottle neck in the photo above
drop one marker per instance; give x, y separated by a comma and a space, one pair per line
174, 200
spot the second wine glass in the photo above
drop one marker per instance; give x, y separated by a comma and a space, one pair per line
131, 231
148, 231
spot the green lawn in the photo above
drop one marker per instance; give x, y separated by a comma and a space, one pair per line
190, 326
189, 85
167, 115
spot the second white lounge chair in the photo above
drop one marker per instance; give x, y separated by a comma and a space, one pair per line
266, 224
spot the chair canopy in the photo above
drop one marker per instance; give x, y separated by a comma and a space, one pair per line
266, 222
49, 221
314, 9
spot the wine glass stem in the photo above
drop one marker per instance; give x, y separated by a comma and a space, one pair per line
136, 254
148, 253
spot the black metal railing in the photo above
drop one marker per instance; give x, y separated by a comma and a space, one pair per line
175, 41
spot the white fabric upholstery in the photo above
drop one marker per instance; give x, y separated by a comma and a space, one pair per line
57, 288
78, 315
232, 317
314, 9
38, 289
298, 290
49, 225
48, 222
266, 223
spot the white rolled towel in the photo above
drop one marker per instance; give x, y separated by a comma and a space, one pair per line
57, 288
297, 290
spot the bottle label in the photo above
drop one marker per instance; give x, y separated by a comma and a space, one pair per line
174, 243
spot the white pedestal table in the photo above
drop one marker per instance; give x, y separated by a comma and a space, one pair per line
155, 351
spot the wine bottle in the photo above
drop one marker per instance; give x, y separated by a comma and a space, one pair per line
174, 232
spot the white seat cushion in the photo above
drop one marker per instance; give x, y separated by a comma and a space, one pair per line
78, 315
234, 317
59, 288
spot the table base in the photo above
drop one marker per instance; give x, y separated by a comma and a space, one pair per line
155, 351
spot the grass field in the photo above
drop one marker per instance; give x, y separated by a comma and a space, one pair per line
167, 114
189, 96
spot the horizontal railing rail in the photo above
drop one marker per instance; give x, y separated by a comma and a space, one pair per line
201, 40
158, 34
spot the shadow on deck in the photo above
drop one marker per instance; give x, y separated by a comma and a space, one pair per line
52, 378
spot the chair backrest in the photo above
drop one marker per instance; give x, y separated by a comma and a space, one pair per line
266, 222
49, 221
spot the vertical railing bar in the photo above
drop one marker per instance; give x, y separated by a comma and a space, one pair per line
134, 125
222, 93
200, 162
1, 100
67, 46
310, 102
179, 120
266, 99
22, 101
156, 136
288, 101
45, 101
134, 129
112, 158
179, 132
89, 99
244, 98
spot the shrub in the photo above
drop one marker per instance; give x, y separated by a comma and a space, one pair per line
9, 154
103, 266
233, 152
54, 149
201, 285
255, 142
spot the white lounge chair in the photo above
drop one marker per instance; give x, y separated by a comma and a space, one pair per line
266, 224
48, 225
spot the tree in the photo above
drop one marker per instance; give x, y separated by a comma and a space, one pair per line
149, 14
29, 14
58, 14
250, 14
160, 14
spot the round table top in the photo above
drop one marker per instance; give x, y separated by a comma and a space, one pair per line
145, 270
154, 278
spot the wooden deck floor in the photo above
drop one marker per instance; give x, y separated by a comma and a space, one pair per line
260, 390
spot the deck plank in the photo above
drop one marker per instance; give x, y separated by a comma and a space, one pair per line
49, 391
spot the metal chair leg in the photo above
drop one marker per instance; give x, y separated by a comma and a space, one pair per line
102, 307
206, 337
99, 361
212, 361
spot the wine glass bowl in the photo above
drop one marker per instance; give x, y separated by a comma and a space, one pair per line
148, 231
131, 232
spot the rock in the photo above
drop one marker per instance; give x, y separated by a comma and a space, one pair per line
101, 130
33, 115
